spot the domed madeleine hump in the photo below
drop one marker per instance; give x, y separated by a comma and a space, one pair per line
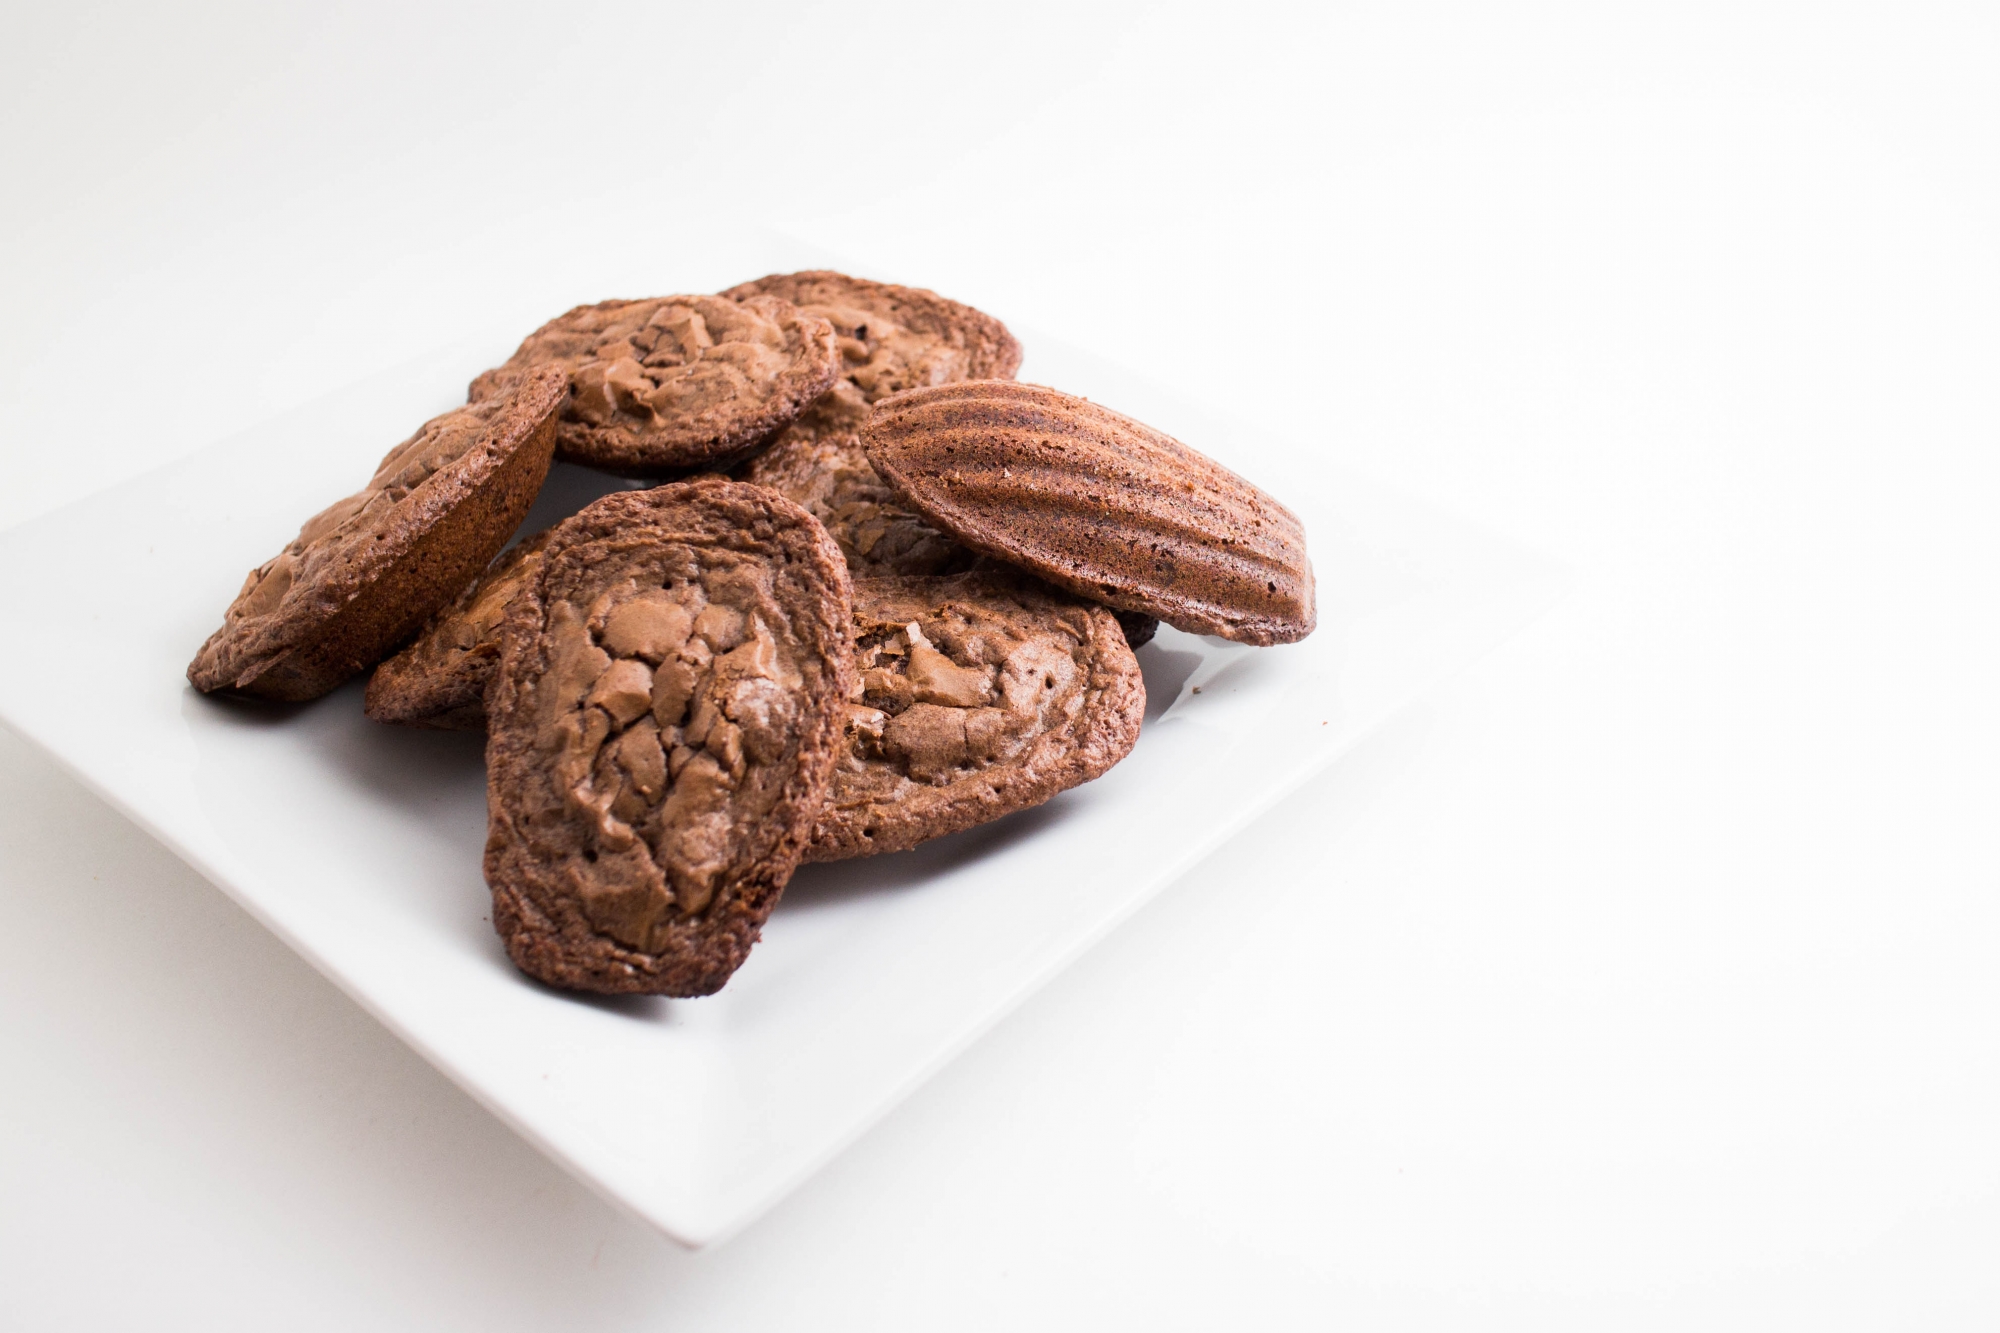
1097, 503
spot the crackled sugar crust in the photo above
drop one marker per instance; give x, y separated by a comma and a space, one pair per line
891, 339
364, 573
661, 733
978, 694
674, 383
894, 338
440, 679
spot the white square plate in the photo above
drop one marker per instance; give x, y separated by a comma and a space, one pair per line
360, 844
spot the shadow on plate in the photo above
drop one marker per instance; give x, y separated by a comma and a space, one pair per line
240, 710
406, 765
638, 1008
1166, 671
568, 489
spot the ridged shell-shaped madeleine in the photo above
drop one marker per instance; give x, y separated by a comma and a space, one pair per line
1097, 503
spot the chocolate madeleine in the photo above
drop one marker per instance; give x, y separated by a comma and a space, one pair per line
675, 383
661, 733
891, 338
978, 694
363, 574
440, 679
1097, 503
894, 338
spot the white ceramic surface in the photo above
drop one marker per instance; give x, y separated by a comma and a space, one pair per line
359, 844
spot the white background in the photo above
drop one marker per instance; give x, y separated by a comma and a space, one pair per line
1643, 979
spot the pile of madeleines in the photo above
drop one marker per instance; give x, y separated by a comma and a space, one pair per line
882, 592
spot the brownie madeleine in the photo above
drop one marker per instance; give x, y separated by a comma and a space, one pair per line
661, 732
675, 383
364, 573
978, 694
894, 338
1097, 503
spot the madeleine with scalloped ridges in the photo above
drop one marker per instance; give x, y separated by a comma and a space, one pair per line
1097, 503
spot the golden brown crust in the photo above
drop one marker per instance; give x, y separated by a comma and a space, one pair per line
978, 694
363, 574
661, 733
1097, 503
675, 383
439, 680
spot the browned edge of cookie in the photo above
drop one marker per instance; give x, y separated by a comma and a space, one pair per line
1078, 749
1098, 503
547, 859
445, 532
